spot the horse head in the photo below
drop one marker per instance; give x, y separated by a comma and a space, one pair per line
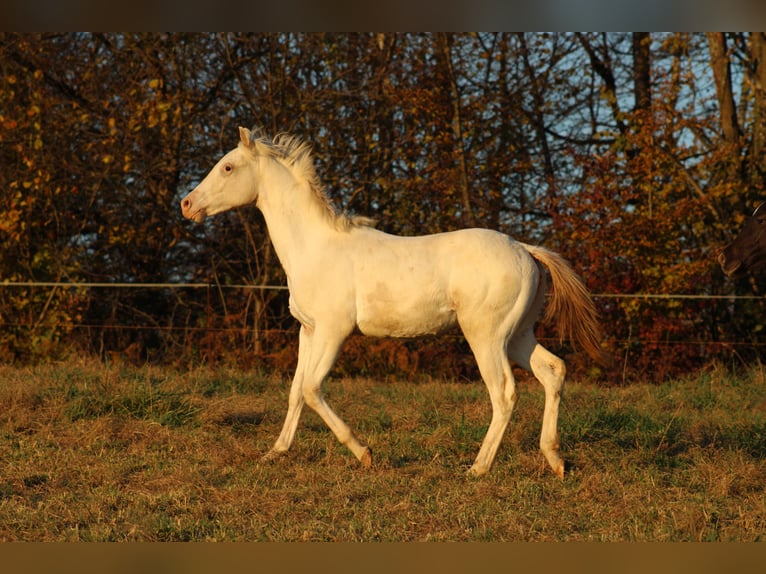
231, 183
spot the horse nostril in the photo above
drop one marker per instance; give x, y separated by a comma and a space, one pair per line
186, 203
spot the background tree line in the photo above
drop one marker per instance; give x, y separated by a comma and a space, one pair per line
633, 154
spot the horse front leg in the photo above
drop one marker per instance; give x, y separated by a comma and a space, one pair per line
324, 350
295, 401
316, 356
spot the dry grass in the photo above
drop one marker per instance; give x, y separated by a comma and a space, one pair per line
95, 452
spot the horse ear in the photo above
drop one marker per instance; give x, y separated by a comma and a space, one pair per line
244, 136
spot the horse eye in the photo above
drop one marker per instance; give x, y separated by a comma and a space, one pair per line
228, 168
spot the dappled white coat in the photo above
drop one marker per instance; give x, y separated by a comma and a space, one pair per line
343, 274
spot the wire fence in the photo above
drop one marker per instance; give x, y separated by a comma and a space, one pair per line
83, 285
679, 296
180, 285
89, 285
253, 287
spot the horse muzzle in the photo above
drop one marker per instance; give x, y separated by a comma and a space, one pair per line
190, 210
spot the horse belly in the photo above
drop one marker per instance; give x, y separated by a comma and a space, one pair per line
381, 313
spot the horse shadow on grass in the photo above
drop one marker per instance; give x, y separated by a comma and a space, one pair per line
665, 439
240, 421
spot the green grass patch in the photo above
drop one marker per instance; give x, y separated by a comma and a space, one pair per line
109, 453
141, 400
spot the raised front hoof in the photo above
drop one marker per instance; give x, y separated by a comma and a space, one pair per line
366, 458
273, 455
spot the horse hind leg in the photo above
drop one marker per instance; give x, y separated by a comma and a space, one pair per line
496, 372
550, 370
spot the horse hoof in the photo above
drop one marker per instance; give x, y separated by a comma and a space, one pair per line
475, 471
272, 455
366, 458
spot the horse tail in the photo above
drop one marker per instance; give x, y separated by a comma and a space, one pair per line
571, 305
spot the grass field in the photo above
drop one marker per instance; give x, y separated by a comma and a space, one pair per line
114, 453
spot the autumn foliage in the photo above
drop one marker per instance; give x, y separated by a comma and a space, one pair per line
634, 155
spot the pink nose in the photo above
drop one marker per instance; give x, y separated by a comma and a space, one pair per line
186, 205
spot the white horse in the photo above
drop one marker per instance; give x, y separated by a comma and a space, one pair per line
342, 274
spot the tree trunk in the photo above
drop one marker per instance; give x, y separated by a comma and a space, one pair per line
602, 65
642, 86
537, 119
719, 61
457, 128
757, 160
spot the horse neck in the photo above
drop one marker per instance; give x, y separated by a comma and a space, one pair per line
293, 215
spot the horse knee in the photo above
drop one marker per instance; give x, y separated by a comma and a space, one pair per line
510, 396
313, 397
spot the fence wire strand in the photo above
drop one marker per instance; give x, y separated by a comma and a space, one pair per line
213, 329
99, 285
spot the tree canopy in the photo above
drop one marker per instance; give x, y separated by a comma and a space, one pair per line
635, 155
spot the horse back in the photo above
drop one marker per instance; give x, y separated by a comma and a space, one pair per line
411, 286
